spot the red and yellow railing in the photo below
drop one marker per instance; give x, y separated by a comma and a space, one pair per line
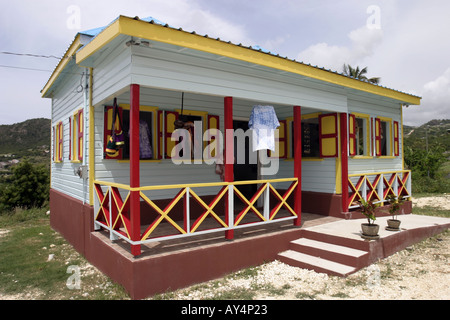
378, 186
112, 208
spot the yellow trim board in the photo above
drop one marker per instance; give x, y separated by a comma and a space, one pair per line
91, 139
76, 44
155, 32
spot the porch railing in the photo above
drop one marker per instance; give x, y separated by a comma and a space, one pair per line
378, 186
112, 208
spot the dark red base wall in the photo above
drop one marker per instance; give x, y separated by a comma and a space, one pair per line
72, 219
146, 276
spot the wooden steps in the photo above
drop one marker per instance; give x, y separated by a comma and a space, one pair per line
324, 254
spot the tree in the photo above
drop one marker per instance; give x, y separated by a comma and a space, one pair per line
27, 187
360, 74
426, 163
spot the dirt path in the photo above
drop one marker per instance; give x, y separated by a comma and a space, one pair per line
442, 202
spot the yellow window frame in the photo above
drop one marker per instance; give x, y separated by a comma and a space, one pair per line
389, 138
367, 148
290, 140
77, 128
59, 142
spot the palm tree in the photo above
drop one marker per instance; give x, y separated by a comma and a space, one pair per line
359, 74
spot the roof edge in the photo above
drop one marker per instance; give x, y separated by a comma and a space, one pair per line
70, 52
163, 33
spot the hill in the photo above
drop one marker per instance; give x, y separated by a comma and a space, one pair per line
26, 137
30, 139
432, 133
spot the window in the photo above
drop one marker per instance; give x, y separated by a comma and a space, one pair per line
58, 142
147, 129
197, 138
382, 132
311, 135
156, 128
359, 142
76, 123
310, 138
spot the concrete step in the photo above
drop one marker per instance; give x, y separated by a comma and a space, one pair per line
306, 261
337, 240
337, 253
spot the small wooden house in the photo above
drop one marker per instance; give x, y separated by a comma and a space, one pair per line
339, 140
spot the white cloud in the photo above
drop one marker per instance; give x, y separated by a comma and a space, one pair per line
363, 44
435, 102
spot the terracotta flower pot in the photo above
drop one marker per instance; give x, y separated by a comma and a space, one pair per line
370, 230
393, 224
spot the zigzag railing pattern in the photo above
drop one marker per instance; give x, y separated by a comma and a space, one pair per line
378, 186
112, 208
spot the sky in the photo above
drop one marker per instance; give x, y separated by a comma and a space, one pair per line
406, 43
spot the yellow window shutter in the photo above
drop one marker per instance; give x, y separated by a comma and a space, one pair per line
80, 128
160, 133
352, 135
169, 125
328, 135
396, 139
213, 123
377, 137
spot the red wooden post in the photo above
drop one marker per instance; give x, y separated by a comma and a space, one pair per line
228, 157
344, 160
298, 163
135, 202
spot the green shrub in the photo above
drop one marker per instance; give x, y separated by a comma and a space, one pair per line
27, 187
425, 184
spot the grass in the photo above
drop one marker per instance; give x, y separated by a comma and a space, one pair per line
26, 270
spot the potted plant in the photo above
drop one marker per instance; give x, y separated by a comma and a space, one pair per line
370, 229
395, 204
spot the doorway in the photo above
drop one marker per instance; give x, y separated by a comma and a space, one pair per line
247, 169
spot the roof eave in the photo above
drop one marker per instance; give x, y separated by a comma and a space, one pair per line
79, 41
155, 32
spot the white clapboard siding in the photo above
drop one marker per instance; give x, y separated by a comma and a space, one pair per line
67, 98
111, 74
317, 176
165, 69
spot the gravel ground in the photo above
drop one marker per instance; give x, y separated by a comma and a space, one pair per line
421, 271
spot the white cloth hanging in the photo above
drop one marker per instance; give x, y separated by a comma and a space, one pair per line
263, 121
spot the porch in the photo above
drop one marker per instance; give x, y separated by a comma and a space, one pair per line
229, 212
323, 243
